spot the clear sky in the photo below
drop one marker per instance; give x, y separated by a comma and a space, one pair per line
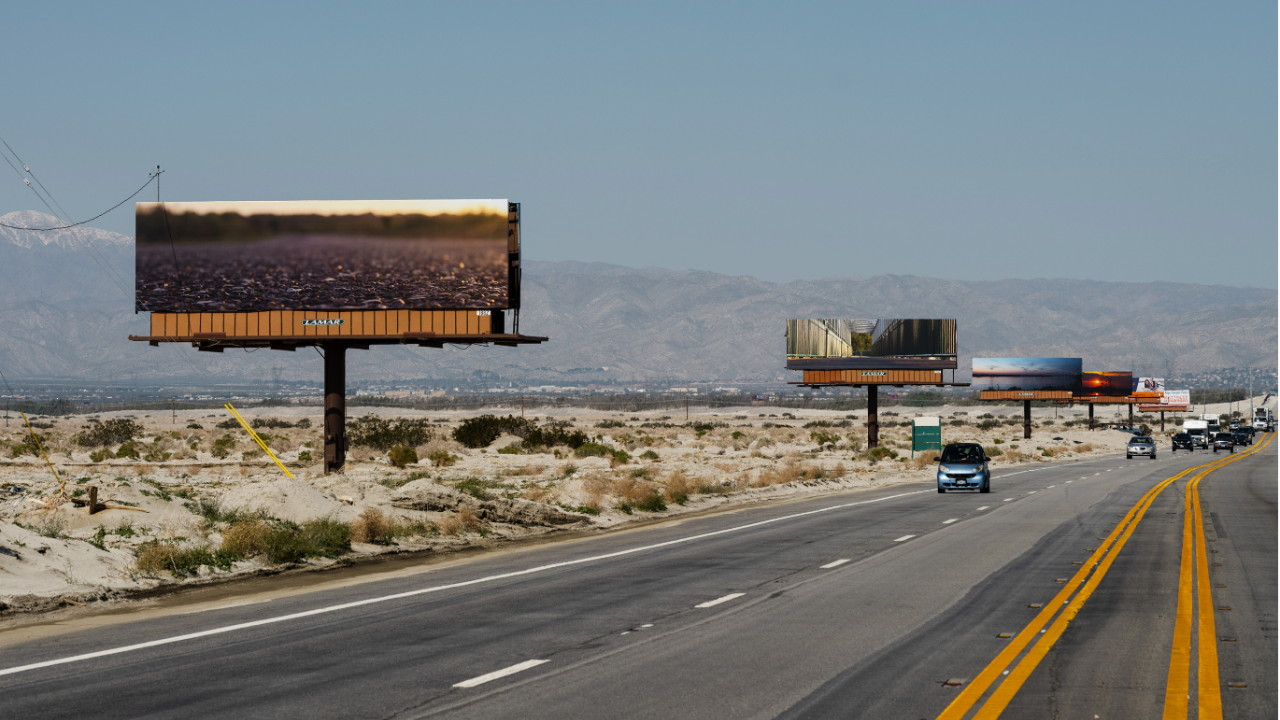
1110, 141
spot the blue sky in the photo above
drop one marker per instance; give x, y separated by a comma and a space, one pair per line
1109, 141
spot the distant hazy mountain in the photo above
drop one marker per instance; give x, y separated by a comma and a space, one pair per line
62, 316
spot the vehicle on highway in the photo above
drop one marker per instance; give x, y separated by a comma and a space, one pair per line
963, 466
1242, 438
1263, 419
1224, 441
1199, 432
1182, 441
1141, 445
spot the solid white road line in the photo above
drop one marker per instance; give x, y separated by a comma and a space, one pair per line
830, 565
904, 537
434, 589
518, 667
948, 522
717, 601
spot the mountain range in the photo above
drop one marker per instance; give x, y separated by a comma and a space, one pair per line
66, 307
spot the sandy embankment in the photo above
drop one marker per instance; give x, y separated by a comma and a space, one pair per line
752, 454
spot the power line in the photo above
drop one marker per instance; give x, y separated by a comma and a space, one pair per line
82, 222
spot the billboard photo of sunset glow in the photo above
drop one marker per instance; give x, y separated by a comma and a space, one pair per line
322, 255
1026, 374
1106, 384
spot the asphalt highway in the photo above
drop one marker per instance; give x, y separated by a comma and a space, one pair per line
1071, 590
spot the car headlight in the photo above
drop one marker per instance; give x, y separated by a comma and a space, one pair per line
944, 468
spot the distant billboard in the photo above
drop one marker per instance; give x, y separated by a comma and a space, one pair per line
1106, 384
1146, 387
1027, 374
1176, 397
324, 255
853, 338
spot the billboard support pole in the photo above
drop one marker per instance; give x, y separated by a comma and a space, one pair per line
1130, 416
873, 419
1161, 421
1026, 419
335, 407
1090, 416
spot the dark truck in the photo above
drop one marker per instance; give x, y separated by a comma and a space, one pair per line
1183, 441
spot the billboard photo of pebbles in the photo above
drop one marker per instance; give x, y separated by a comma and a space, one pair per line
322, 255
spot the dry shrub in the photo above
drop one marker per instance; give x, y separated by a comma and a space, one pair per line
925, 459
1014, 456
441, 444
677, 486
469, 519
839, 471
596, 486
363, 453
1084, 448
450, 525
372, 526
779, 476
536, 493
245, 539
528, 470
631, 490
158, 556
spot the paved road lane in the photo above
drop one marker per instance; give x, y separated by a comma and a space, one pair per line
861, 604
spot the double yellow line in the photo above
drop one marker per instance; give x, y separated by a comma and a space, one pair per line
1069, 601
1195, 562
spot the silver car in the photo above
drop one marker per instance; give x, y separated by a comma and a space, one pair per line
1141, 445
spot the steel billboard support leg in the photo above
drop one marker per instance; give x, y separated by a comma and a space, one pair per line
335, 407
1161, 421
1026, 419
873, 419
1090, 416
1131, 415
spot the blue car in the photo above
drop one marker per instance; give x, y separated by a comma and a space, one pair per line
963, 466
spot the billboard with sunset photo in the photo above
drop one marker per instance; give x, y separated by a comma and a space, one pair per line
1027, 374
1106, 384
323, 255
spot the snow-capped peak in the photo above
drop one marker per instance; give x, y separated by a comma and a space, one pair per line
70, 238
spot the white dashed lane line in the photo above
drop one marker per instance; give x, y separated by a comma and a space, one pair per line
984, 507
904, 537
948, 522
717, 601
1006, 500
482, 679
836, 563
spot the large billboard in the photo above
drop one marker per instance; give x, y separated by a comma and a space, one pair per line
894, 338
1106, 384
1027, 374
324, 255
1147, 387
1176, 397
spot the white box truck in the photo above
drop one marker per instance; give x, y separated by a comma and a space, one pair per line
1199, 432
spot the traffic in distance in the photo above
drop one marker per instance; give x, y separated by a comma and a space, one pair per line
1207, 433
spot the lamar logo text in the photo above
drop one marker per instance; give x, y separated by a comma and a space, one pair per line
873, 374
324, 321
